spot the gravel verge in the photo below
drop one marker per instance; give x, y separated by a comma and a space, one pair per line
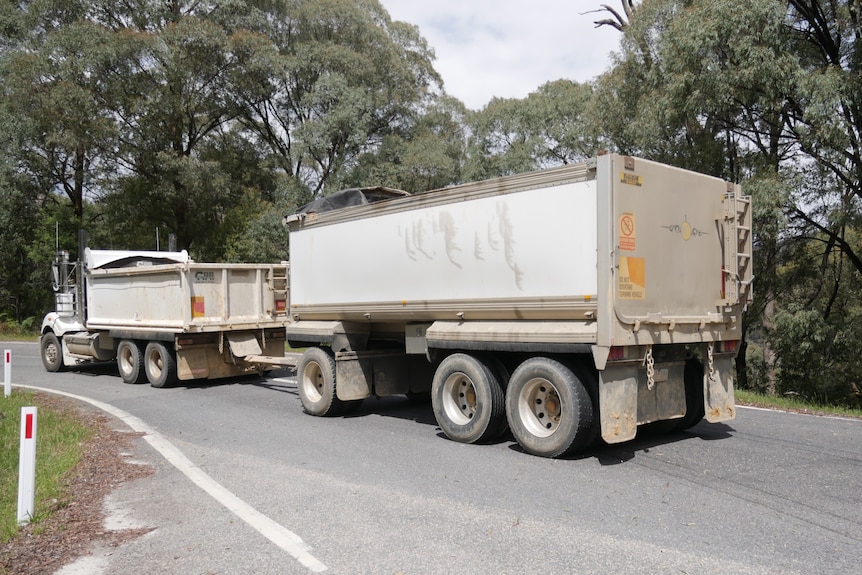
75, 526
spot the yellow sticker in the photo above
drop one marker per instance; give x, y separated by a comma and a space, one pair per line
198, 306
631, 179
632, 282
628, 232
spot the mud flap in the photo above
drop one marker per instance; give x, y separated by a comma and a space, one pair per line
354, 376
618, 403
242, 344
666, 399
718, 399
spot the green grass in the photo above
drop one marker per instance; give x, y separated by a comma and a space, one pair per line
11, 330
60, 443
744, 397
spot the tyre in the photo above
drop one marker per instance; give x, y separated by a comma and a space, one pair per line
130, 362
589, 378
160, 364
315, 382
51, 349
549, 410
467, 399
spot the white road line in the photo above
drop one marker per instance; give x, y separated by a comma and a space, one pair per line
278, 534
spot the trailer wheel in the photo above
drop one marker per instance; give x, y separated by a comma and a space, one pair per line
549, 410
160, 364
52, 352
315, 382
467, 399
130, 362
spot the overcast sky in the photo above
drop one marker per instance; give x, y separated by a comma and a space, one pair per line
508, 48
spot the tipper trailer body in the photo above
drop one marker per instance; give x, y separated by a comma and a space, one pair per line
592, 297
163, 317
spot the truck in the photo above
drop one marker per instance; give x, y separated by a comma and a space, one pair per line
563, 305
163, 317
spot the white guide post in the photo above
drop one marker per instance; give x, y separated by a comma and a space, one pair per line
27, 466
7, 373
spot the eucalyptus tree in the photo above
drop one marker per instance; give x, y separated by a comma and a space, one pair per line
766, 92
53, 81
343, 78
550, 127
425, 153
172, 96
18, 198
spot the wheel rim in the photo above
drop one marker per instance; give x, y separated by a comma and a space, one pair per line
157, 364
539, 407
126, 363
312, 381
51, 353
459, 398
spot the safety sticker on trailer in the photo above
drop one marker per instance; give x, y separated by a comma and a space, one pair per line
632, 278
631, 179
628, 232
198, 307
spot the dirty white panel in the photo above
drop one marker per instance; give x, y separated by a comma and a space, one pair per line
183, 296
530, 244
154, 299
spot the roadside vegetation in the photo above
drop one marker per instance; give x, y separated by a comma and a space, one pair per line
795, 404
11, 330
60, 443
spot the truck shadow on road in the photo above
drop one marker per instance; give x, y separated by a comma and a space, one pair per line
648, 440
401, 407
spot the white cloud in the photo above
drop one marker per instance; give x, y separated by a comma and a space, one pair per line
508, 48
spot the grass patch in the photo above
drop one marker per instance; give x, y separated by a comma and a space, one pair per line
744, 397
60, 443
10, 330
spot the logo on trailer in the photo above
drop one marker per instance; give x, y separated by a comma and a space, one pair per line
205, 277
685, 229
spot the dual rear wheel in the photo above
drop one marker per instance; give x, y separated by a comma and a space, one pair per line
468, 399
549, 409
546, 405
155, 363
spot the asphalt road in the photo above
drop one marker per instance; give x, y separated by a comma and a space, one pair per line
383, 492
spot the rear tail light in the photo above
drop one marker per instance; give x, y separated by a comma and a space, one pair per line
729, 346
617, 353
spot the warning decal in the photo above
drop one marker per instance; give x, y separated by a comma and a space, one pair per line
632, 282
628, 242
631, 179
198, 306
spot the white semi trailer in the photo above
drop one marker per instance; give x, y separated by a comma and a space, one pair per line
586, 299
163, 317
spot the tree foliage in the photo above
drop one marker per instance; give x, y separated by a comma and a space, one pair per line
207, 121
766, 92
549, 127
